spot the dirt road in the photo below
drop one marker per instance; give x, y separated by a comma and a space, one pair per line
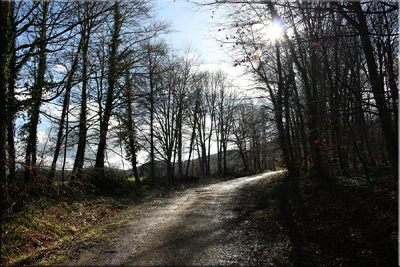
196, 227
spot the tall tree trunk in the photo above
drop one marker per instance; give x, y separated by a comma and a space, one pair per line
64, 112
279, 115
65, 153
225, 157
111, 80
287, 120
376, 80
179, 141
4, 26
193, 134
201, 142
301, 127
152, 161
131, 129
278, 106
11, 101
37, 91
241, 152
314, 119
208, 167
219, 163
80, 153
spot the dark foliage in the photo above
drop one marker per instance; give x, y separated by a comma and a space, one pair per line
347, 222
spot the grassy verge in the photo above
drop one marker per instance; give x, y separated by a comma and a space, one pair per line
46, 216
42, 226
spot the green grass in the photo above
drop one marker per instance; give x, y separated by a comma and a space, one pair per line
36, 229
60, 183
132, 179
277, 257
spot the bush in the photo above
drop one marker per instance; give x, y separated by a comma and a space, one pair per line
115, 183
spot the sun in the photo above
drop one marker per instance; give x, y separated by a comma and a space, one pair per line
275, 31
271, 31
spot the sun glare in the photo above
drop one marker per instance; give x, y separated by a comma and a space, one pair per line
275, 31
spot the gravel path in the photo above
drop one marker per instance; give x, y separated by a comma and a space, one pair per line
196, 227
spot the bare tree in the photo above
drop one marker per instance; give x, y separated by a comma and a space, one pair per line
112, 79
37, 91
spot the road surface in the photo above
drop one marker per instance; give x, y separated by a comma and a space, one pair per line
196, 227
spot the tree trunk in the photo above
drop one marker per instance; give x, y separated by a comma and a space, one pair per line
190, 147
208, 167
376, 80
131, 128
4, 11
64, 112
37, 91
278, 106
242, 152
279, 115
80, 153
152, 163
112, 80
225, 160
179, 141
193, 134
11, 102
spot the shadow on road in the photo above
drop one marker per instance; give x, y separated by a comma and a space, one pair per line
319, 225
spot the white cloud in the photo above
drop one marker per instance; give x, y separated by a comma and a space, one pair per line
193, 56
237, 74
42, 137
60, 68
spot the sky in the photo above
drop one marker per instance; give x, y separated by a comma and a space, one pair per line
191, 26
197, 26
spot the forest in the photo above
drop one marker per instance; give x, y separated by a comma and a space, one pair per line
96, 80
331, 80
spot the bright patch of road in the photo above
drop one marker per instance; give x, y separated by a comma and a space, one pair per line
196, 227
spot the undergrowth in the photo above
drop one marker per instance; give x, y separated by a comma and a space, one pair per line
40, 227
40, 217
346, 221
